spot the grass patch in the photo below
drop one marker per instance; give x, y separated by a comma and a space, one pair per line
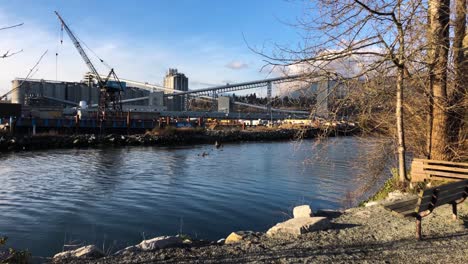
11, 255
391, 185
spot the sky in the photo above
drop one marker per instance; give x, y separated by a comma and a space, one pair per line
207, 40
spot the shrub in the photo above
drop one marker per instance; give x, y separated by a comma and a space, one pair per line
10, 255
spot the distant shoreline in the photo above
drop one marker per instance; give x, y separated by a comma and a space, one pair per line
173, 137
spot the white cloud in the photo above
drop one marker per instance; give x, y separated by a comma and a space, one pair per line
132, 58
237, 65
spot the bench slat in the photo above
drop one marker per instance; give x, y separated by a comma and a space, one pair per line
402, 205
445, 168
407, 208
409, 213
437, 169
441, 201
451, 198
444, 179
447, 174
443, 192
463, 164
448, 186
449, 190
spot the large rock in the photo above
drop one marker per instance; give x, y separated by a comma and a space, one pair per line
299, 226
239, 236
160, 242
302, 211
88, 252
371, 203
233, 238
153, 244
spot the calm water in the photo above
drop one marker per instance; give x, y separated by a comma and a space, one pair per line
118, 196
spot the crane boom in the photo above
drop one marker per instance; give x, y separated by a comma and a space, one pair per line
81, 50
109, 91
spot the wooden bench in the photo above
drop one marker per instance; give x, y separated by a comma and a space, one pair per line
423, 169
427, 200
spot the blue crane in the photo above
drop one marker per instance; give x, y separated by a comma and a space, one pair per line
109, 91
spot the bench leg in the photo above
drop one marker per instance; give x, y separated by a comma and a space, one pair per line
454, 211
418, 227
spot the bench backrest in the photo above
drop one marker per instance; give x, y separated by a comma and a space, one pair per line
444, 194
422, 169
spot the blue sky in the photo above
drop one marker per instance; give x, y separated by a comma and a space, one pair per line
142, 39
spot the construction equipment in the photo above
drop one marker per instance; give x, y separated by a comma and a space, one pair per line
110, 97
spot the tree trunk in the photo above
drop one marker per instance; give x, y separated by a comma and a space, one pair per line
399, 98
457, 110
439, 15
399, 121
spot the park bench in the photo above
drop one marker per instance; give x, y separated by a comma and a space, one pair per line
423, 169
427, 200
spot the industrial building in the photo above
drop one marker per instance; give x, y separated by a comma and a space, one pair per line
27, 92
48, 94
176, 81
225, 104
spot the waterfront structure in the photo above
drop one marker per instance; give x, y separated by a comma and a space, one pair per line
176, 81
34, 92
144, 97
225, 104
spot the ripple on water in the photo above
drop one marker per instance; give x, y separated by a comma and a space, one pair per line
118, 194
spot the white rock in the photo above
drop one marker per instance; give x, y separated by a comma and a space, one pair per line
127, 250
302, 211
373, 203
160, 242
395, 195
298, 226
90, 251
153, 244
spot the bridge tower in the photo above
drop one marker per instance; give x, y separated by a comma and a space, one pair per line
269, 97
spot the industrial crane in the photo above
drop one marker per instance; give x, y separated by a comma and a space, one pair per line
110, 97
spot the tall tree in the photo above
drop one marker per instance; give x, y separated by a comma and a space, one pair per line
439, 45
459, 92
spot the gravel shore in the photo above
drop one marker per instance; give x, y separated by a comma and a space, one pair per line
358, 235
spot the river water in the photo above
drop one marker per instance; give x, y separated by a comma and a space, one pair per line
115, 197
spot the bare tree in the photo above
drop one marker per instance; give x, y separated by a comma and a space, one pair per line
372, 33
8, 53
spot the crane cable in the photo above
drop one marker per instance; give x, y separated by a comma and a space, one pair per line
85, 45
57, 52
94, 53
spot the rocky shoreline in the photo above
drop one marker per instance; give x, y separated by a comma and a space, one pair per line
368, 234
176, 137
